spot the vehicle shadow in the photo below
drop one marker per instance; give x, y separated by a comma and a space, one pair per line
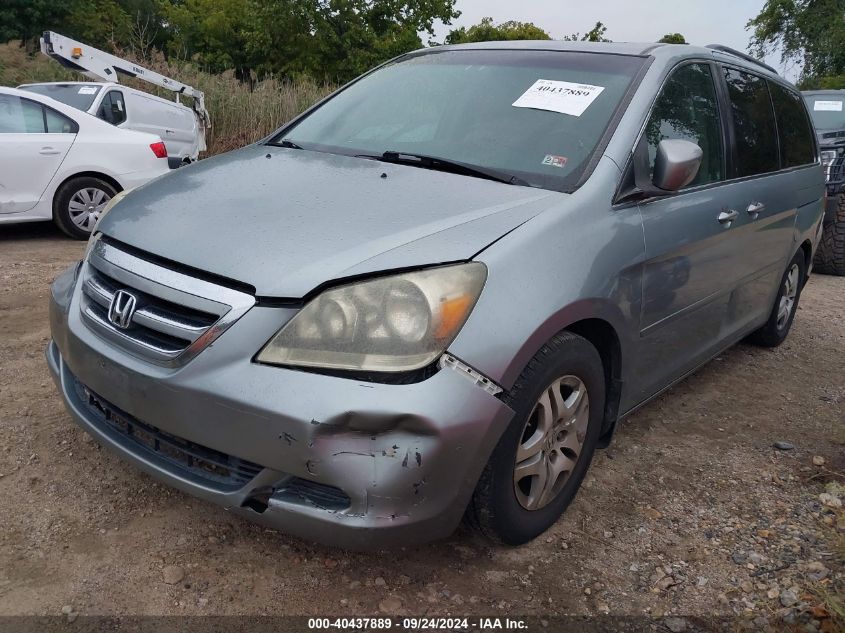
30, 231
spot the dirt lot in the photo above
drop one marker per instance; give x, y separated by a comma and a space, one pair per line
691, 511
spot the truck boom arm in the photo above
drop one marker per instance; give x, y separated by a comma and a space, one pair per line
102, 66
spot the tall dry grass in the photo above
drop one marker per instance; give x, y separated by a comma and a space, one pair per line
240, 113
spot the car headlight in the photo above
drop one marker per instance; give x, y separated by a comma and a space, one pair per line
389, 324
828, 156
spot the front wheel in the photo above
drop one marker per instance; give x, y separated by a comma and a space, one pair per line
541, 459
776, 329
78, 204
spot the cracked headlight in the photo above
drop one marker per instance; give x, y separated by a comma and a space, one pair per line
389, 324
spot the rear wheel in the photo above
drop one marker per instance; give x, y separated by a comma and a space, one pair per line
78, 204
776, 329
541, 459
830, 255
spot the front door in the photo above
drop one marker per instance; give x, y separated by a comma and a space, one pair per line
692, 258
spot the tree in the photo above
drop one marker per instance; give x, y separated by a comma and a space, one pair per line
672, 38
596, 34
486, 31
809, 33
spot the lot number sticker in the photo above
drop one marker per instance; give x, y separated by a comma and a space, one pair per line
88, 90
559, 96
835, 106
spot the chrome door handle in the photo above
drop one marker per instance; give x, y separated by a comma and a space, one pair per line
755, 208
48, 151
726, 217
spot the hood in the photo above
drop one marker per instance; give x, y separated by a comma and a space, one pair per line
286, 221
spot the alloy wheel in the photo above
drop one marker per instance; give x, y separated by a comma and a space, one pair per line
86, 205
551, 442
787, 296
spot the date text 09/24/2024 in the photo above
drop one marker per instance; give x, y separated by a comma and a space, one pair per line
417, 624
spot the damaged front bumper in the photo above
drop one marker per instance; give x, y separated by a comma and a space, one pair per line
344, 462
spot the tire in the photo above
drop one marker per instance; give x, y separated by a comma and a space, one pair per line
514, 512
776, 329
78, 203
830, 255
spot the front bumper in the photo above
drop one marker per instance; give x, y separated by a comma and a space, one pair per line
407, 457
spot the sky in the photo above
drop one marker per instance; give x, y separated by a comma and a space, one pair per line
701, 22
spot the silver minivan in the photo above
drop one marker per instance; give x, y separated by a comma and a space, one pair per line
433, 295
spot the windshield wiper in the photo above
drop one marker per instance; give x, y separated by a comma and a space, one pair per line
445, 164
286, 142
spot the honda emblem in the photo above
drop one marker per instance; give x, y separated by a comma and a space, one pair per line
122, 308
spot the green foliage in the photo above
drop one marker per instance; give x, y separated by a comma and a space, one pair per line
486, 31
326, 39
596, 34
672, 38
809, 33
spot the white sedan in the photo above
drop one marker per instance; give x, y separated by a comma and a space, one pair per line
62, 164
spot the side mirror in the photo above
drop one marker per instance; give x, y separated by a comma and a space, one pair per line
676, 164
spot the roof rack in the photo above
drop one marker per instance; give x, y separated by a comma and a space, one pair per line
741, 55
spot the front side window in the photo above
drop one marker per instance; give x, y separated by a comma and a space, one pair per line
797, 144
754, 123
687, 109
20, 116
537, 115
112, 108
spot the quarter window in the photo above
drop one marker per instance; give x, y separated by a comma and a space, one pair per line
754, 123
687, 109
797, 145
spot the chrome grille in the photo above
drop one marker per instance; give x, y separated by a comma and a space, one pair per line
175, 315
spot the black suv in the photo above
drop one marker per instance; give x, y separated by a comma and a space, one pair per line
827, 108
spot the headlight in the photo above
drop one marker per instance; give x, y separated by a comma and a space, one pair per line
390, 324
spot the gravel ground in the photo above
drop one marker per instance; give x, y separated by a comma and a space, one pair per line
691, 512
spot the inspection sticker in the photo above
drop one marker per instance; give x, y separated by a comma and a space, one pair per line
559, 96
554, 161
835, 106
88, 90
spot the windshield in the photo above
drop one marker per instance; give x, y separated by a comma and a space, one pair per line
826, 110
79, 96
534, 115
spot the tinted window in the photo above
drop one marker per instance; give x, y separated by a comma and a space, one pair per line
20, 116
58, 123
113, 108
797, 146
687, 109
460, 105
754, 123
79, 96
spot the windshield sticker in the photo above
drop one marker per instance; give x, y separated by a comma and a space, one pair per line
559, 96
554, 161
88, 90
835, 106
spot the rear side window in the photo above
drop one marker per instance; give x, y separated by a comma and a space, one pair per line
797, 145
754, 123
687, 109
58, 123
20, 116
112, 108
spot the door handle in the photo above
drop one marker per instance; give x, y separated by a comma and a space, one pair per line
728, 216
755, 208
48, 151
